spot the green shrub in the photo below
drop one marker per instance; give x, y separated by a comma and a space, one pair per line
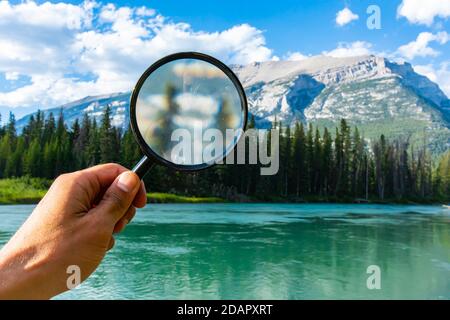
23, 190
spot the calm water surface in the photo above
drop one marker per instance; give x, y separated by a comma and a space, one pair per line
270, 251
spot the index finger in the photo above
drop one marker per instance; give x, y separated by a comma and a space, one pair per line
103, 176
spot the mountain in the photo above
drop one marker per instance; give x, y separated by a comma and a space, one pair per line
372, 92
92, 105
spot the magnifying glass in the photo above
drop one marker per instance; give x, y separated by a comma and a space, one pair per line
183, 111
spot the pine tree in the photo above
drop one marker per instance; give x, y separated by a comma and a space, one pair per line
14, 165
74, 136
5, 153
8, 144
93, 148
60, 126
32, 159
37, 130
49, 128
75, 130
50, 155
299, 160
327, 162
253, 170
64, 160
338, 156
442, 177
310, 159
317, 165
80, 146
346, 156
356, 161
380, 156
11, 127
267, 184
286, 160
106, 138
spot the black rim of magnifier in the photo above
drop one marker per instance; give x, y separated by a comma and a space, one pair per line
177, 56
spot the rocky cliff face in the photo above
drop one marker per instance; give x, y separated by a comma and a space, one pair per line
362, 88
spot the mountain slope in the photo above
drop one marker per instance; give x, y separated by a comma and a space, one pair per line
377, 95
93, 106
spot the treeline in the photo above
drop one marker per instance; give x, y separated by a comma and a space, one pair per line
315, 165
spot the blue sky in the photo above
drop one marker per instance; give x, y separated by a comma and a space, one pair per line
61, 51
296, 25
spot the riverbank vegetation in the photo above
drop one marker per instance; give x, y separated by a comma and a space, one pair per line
326, 165
26, 190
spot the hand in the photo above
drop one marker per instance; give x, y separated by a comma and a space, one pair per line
72, 225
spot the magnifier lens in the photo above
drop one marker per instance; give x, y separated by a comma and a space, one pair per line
185, 106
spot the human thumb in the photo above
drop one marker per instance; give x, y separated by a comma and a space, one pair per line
119, 196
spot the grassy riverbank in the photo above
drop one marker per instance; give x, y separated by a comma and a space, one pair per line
30, 190
23, 190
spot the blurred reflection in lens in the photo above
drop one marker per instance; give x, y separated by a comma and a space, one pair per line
187, 94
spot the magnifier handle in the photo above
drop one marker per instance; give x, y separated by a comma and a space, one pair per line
143, 166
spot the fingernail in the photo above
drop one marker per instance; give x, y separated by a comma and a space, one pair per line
127, 181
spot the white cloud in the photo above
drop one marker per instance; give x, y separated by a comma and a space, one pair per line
53, 16
427, 71
439, 75
295, 56
12, 76
420, 47
71, 51
345, 16
424, 12
344, 49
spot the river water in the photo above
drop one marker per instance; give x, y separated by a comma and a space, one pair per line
270, 251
